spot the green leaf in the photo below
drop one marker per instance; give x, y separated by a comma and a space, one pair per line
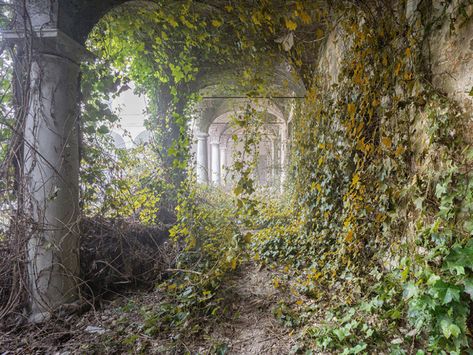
446, 292
103, 129
341, 333
469, 226
459, 259
440, 189
449, 328
410, 290
418, 203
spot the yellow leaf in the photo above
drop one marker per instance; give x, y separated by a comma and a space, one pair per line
399, 150
291, 25
217, 23
305, 18
229, 8
355, 179
405, 273
247, 237
360, 145
386, 142
385, 59
299, 302
319, 33
397, 69
276, 283
234, 263
238, 190
349, 236
351, 110
172, 21
256, 18
408, 52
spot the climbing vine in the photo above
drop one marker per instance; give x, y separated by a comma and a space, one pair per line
387, 165
377, 227
379, 166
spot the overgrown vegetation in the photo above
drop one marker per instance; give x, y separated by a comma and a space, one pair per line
387, 216
373, 233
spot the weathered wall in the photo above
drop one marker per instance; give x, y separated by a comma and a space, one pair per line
448, 51
450, 54
332, 55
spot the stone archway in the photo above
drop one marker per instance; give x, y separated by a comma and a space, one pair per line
55, 31
209, 129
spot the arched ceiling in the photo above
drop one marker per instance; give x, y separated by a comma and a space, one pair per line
269, 132
221, 110
78, 17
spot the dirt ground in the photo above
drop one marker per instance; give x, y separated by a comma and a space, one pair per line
255, 329
118, 326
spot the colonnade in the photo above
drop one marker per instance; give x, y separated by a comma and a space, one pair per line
51, 143
212, 166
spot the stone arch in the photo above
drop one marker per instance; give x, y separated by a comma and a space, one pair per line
51, 157
58, 30
213, 155
80, 17
222, 108
118, 140
143, 138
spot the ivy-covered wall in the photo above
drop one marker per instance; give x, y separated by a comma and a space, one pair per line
382, 142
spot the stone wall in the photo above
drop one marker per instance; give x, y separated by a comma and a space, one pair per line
450, 52
332, 55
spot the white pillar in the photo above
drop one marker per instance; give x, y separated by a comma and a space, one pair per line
51, 163
223, 163
202, 159
284, 137
274, 160
215, 156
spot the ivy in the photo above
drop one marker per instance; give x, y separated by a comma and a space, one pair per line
376, 227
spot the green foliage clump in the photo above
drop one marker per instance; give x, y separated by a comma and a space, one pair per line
382, 174
212, 248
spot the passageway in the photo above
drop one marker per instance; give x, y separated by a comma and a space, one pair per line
284, 176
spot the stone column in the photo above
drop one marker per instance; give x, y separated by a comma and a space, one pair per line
215, 156
284, 137
202, 159
223, 163
51, 166
274, 161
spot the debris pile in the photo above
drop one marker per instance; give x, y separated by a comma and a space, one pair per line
115, 253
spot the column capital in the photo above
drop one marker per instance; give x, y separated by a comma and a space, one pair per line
201, 136
50, 41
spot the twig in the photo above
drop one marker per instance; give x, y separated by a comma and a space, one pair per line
183, 270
